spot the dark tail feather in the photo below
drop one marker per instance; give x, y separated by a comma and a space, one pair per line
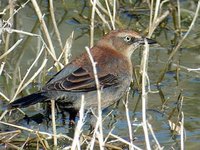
28, 100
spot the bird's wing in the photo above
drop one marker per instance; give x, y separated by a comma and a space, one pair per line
81, 81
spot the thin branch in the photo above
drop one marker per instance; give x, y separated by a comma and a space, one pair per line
55, 25
99, 118
144, 64
53, 112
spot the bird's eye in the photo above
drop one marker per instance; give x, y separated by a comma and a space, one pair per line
127, 39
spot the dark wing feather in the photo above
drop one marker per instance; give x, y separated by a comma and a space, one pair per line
81, 81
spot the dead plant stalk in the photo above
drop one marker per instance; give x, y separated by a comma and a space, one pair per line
97, 133
143, 71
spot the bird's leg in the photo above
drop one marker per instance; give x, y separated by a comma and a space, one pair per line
72, 117
46, 113
63, 118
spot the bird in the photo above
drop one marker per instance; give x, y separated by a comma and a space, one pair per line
112, 54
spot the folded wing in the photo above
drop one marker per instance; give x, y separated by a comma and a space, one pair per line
81, 81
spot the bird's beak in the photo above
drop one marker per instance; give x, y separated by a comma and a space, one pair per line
149, 41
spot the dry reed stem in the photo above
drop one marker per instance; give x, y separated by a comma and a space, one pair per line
128, 120
102, 9
182, 131
42, 142
2, 67
55, 24
92, 23
107, 145
108, 24
76, 141
22, 85
151, 14
154, 136
110, 15
99, 117
101, 16
7, 22
143, 71
47, 135
3, 114
10, 49
22, 147
179, 15
44, 27
194, 70
3, 134
186, 34
162, 3
10, 145
35, 74
67, 48
11, 11
106, 138
157, 22
156, 11
3, 12
53, 119
124, 141
180, 42
114, 12
155, 19
34, 35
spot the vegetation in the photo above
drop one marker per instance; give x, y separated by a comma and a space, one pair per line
29, 56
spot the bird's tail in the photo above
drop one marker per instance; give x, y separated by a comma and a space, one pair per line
28, 100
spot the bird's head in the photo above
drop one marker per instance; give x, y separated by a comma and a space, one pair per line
125, 41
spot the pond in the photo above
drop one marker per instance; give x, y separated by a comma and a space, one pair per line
174, 86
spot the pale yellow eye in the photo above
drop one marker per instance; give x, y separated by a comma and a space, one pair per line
127, 38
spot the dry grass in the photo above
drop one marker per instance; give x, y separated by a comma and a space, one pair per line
106, 13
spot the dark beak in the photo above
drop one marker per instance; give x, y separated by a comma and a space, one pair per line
150, 41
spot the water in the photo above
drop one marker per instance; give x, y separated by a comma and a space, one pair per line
160, 105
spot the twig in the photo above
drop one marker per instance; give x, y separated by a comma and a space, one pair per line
186, 34
124, 141
54, 24
15, 12
49, 135
40, 37
1, 67
107, 145
53, 112
110, 16
92, 23
182, 131
67, 47
152, 133
76, 141
143, 71
102, 16
99, 118
180, 42
128, 121
21, 86
11, 49
44, 27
